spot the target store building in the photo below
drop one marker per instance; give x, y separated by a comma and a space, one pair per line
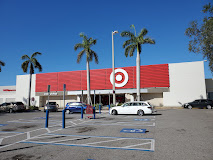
162, 85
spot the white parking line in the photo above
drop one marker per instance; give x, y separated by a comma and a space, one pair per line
92, 144
1, 140
141, 141
150, 124
137, 145
103, 141
72, 122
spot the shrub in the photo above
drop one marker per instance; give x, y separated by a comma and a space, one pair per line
33, 108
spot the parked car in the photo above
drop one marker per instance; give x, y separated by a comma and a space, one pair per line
12, 107
199, 103
51, 106
136, 107
73, 107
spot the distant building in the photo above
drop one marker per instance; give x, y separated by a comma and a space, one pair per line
162, 85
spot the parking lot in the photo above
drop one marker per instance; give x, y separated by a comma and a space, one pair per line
168, 134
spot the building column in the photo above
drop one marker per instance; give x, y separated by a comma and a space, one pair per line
78, 98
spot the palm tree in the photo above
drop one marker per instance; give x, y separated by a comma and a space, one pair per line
1, 64
86, 44
32, 63
135, 42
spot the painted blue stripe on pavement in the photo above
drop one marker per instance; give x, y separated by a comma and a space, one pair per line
133, 149
3, 125
144, 119
97, 136
41, 117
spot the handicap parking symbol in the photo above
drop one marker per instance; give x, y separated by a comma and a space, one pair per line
131, 130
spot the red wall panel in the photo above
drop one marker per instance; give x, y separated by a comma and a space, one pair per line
97, 79
84, 80
151, 76
45, 79
71, 79
154, 76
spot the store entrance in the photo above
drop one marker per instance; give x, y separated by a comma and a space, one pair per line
104, 99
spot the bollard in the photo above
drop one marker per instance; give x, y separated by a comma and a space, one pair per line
109, 108
47, 118
99, 109
82, 113
93, 112
63, 118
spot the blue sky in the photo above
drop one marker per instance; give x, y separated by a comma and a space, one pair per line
52, 27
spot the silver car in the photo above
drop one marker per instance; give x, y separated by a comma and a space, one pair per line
51, 106
12, 107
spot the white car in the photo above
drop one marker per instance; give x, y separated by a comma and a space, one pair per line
136, 107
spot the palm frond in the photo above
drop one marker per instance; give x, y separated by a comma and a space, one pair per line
128, 42
89, 55
2, 63
133, 27
24, 66
92, 41
132, 50
148, 41
80, 55
83, 35
37, 64
93, 54
25, 57
35, 54
128, 49
96, 58
77, 46
86, 44
143, 32
127, 34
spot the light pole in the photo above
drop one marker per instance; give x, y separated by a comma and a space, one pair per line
113, 66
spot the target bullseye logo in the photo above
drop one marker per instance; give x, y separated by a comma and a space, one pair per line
121, 77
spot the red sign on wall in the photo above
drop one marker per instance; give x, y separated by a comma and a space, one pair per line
9, 90
125, 78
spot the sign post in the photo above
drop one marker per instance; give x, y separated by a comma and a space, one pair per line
109, 98
64, 87
82, 112
48, 90
99, 103
47, 111
94, 98
82, 96
63, 112
63, 119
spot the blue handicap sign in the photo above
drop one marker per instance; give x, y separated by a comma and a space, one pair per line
132, 130
144, 119
3, 125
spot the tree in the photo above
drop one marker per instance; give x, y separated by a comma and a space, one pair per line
86, 44
32, 63
136, 42
201, 35
1, 64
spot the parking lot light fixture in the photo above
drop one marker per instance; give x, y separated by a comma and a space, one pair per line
113, 67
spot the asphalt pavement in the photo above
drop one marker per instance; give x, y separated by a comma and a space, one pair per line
169, 134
